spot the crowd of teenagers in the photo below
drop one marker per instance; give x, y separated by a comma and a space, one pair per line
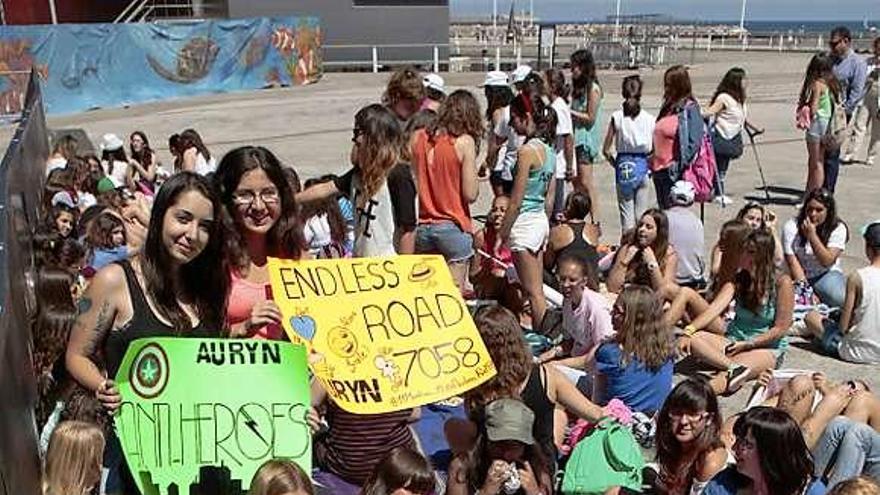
586, 333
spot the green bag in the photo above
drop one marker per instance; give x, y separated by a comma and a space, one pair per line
608, 456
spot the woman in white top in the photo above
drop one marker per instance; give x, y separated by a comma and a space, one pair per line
115, 162
502, 139
729, 112
631, 130
564, 145
813, 243
194, 156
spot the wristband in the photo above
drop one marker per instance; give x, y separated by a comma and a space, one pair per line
653, 265
690, 330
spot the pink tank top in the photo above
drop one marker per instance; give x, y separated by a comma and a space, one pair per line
243, 295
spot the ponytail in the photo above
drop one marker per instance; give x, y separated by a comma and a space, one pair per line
543, 115
631, 90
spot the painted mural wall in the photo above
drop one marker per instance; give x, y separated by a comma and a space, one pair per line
85, 66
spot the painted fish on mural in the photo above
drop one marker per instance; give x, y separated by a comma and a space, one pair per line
194, 61
16, 61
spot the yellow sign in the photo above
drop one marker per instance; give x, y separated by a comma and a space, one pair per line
386, 333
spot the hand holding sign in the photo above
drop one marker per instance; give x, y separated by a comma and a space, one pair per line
387, 333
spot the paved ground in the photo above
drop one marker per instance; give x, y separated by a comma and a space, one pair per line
310, 129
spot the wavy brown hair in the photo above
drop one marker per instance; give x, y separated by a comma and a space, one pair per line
459, 115
643, 335
731, 241
755, 285
404, 84
678, 463
676, 90
380, 150
502, 335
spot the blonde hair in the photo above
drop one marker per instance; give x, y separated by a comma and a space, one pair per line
280, 477
856, 486
643, 335
73, 461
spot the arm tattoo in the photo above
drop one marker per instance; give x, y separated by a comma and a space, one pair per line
102, 325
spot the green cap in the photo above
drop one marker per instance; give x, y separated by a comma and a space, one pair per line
105, 185
509, 419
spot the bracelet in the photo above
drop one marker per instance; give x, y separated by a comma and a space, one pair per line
690, 330
653, 265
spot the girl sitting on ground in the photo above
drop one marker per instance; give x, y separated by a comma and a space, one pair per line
403, 471
646, 258
575, 235
281, 477
73, 461
489, 274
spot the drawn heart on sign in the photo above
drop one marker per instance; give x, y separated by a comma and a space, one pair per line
304, 326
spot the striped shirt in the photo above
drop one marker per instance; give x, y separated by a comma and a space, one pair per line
355, 443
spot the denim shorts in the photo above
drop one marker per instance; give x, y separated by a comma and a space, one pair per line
831, 337
584, 155
444, 238
817, 130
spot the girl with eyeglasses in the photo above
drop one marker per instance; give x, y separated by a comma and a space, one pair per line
689, 447
261, 220
380, 185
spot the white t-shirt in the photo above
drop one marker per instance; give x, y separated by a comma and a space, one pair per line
53, 164
118, 172
563, 128
633, 135
205, 167
507, 154
793, 244
729, 122
862, 343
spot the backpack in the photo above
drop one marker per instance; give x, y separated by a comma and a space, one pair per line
837, 131
607, 456
702, 170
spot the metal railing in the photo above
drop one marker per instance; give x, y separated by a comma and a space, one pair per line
372, 55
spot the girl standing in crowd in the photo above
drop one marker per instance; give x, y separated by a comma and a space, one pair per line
586, 115
64, 150
542, 388
444, 156
502, 138
192, 154
176, 287
636, 365
868, 114
379, 184
143, 159
755, 338
106, 240
575, 236
675, 145
115, 163
689, 447
73, 461
631, 130
771, 457
505, 449
729, 110
646, 258
525, 226
564, 146
402, 471
812, 243
261, 221
325, 231
281, 477
818, 94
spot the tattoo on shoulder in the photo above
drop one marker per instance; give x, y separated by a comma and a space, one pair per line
84, 305
103, 323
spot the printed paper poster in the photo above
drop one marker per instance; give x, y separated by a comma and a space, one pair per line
387, 333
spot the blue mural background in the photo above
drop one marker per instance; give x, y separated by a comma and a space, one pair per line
85, 66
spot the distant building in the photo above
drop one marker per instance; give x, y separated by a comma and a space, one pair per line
408, 29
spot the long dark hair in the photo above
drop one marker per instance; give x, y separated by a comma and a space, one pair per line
381, 150
285, 238
543, 115
556, 85
677, 463
99, 234
676, 90
113, 156
189, 139
732, 84
752, 288
583, 85
824, 230
459, 115
785, 460
496, 97
660, 245
401, 468
821, 66
631, 90
329, 207
145, 156
205, 279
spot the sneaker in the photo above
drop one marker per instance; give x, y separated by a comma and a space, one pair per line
736, 377
724, 200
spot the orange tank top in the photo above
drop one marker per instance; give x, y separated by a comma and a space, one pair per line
439, 177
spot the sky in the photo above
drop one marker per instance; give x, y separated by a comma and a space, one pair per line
778, 10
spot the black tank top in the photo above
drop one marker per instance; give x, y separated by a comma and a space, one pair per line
534, 395
579, 246
143, 323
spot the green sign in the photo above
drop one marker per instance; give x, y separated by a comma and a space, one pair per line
193, 407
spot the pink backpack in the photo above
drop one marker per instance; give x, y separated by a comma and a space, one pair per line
702, 170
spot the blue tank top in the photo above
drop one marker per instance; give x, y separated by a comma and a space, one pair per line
748, 324
539, 179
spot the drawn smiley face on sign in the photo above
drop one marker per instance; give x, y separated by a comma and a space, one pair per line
342, 342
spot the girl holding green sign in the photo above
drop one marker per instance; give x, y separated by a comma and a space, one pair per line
174, 288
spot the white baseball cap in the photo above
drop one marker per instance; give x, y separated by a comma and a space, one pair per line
682, 193
110, 142
520, 73
435, 82
496, 78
